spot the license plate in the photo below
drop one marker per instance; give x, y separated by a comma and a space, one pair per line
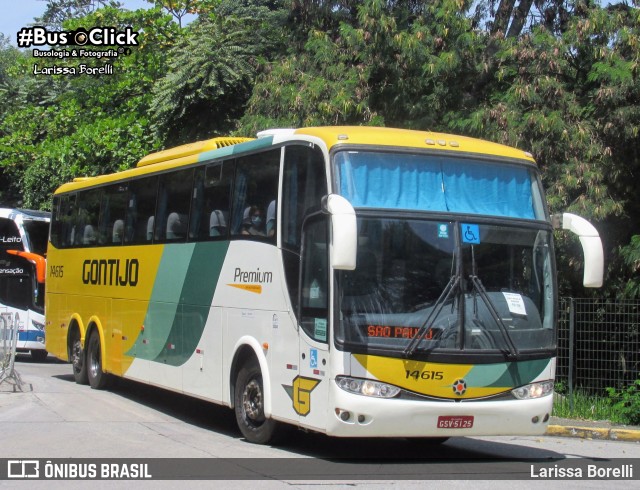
455, 421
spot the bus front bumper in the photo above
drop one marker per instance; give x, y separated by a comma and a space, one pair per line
30, 340
353, 415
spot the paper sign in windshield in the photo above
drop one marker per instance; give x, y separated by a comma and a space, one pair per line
515, 303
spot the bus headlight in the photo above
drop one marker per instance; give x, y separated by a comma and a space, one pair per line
534, 390
367, 387
38, 325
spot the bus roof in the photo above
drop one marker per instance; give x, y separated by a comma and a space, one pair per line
376, 136
13, 213
332, 136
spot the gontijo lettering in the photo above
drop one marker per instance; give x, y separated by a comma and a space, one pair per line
110, 272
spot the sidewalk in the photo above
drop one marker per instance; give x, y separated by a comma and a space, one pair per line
592, 429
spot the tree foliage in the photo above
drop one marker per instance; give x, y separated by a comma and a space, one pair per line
60, 127
212, 70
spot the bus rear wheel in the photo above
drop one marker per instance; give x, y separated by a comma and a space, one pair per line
78, 362
249, 406
98, 379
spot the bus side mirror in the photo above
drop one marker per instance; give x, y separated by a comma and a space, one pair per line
591, 247
344, 232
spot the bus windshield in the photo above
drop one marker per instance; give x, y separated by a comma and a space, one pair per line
37, 233
437, 183
447, 285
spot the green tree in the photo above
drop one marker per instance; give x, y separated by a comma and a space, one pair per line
59, 11
399, 63
61, 127
212, 71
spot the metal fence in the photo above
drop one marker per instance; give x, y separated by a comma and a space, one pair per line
598, 344
8, 344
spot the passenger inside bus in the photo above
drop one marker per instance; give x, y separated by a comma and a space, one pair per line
271, 219
253, 222
217, 223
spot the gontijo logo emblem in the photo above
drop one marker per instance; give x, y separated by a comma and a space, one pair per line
300, 393
250, 281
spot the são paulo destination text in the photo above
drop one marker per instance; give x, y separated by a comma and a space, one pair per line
106, 69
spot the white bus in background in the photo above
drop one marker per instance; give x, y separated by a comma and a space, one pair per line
23, 245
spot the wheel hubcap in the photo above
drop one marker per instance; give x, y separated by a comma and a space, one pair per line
94, 362
252, 402
76, 356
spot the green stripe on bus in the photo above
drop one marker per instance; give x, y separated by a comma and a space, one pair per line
199, 286
164, 301
506, 374
235, 149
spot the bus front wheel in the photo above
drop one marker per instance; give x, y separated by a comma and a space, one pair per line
249, 406
78, 362
98, 379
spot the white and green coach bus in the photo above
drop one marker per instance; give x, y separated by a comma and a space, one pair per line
354, 281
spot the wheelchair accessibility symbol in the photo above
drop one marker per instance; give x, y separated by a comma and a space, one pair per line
470, 233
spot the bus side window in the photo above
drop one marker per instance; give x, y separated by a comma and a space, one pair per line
141, 208
114, 206
172, 212
256, 187
210, 201
86, 222
62, 221
304, 183
314, 302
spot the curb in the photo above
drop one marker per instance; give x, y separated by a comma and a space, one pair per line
612, 434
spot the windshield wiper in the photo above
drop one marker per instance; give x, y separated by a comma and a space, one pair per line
477, 286
451, 286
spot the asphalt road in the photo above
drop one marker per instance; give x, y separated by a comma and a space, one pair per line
55, 418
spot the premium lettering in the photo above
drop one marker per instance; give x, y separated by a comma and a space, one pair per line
110, 272
252, 276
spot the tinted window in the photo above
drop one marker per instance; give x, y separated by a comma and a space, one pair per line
86, 231
210, 201
16, 291
63, 221
37, 232
141, 210
172, 212
315, 277
9, 235
255, 192
304, 184
114, 207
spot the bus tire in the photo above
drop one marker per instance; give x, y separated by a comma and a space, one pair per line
39, 355
78, 362
98, 379
249, 406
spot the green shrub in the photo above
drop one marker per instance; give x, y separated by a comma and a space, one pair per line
626, 403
